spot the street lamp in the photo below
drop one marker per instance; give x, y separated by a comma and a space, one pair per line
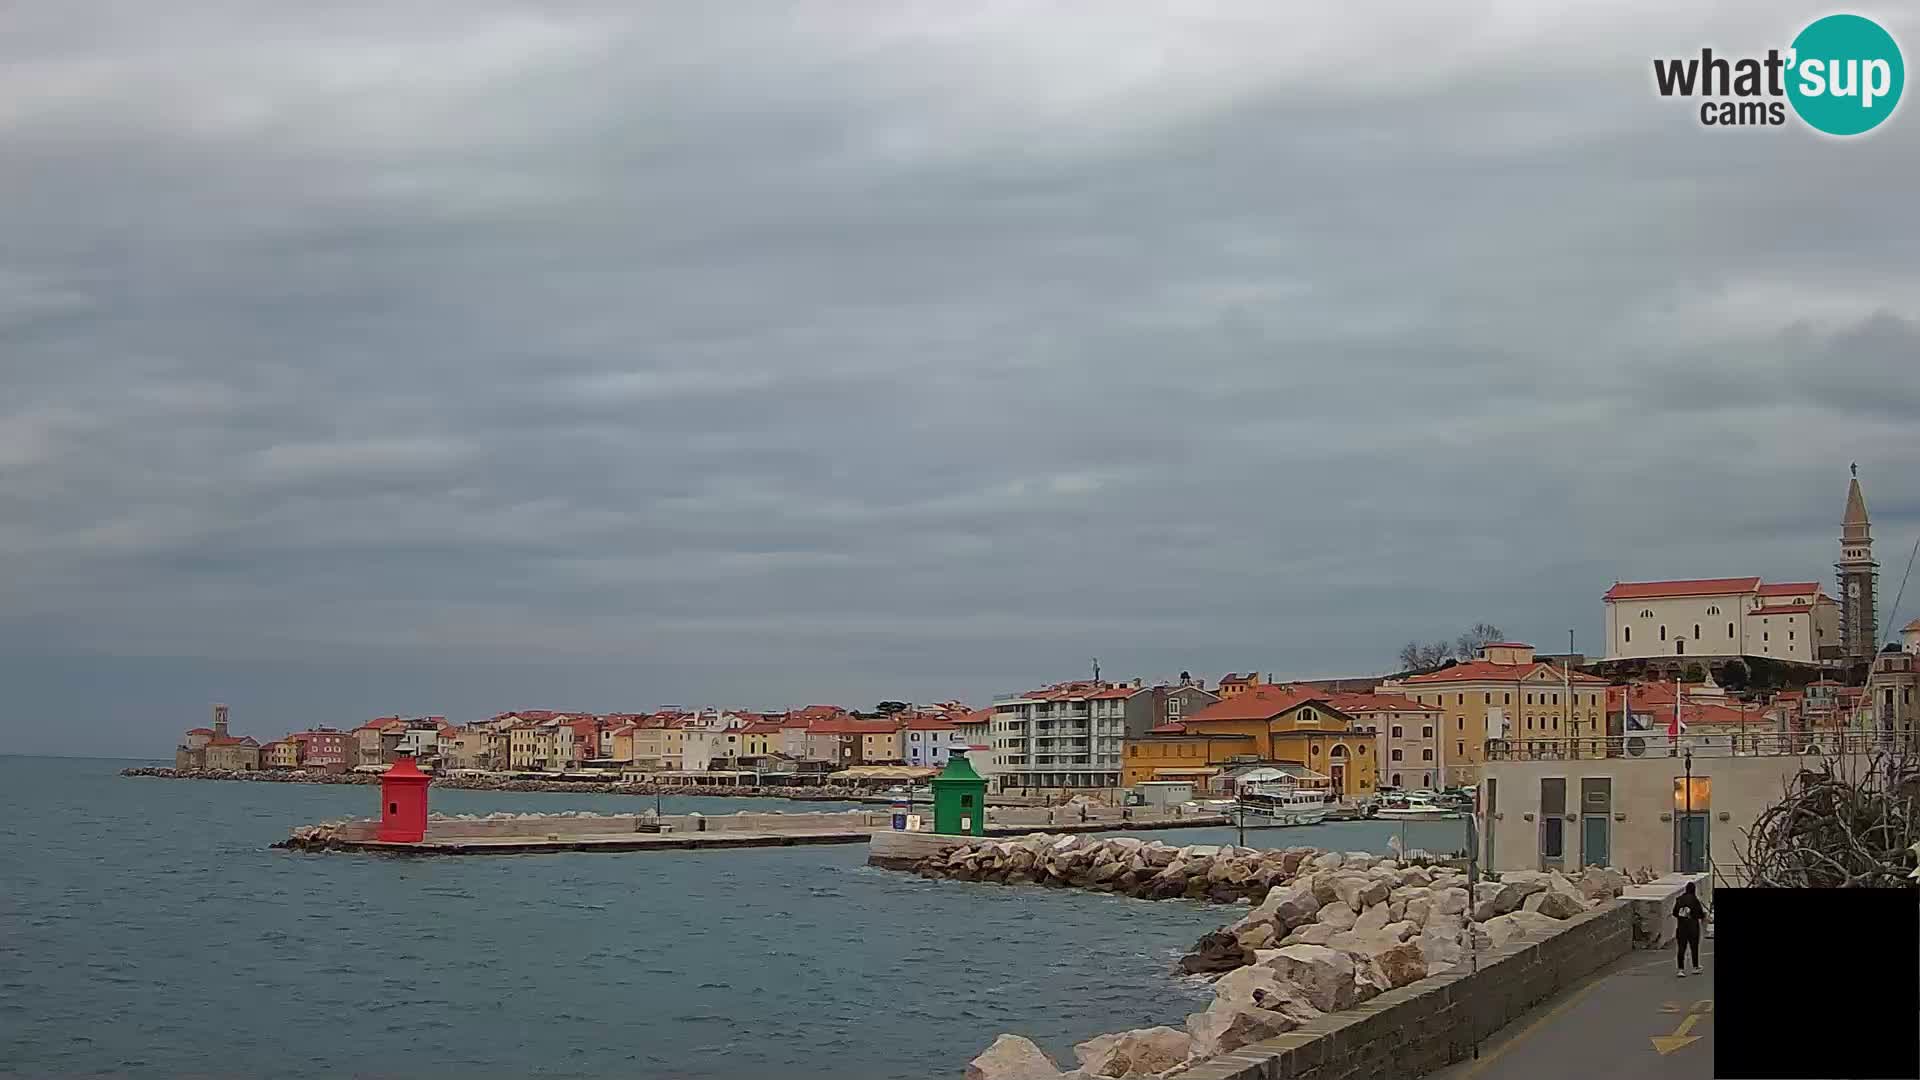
1686, 822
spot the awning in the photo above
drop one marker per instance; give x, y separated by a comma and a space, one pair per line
885, 772
1197, 770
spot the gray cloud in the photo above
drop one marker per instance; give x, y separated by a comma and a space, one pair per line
376, 357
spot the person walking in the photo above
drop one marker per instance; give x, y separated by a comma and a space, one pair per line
1690, 913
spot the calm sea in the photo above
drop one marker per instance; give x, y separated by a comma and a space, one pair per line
147, 930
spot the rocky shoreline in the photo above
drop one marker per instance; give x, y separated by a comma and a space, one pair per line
1327, 931
823, 793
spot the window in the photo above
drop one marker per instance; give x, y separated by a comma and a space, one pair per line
1696, 631
1394, 755
1628, 631
1396, 731
1663, 631
1556, 699
1462, 701
1363, 749
1529, 723
1460, 723
1426, 755
1714, 610
1460, 748
1789, 635
1529, 699
1489, 700
1729, 631
1506, 699
1396, 779
1763, 635
915, 736
1646, 613
1426, 732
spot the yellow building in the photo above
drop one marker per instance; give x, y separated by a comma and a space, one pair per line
282, 754
530, 747
1505, 694
758, 740
1232, 685
663, 748
879, 747
1265, 724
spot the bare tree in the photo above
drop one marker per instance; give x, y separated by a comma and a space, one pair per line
1417, 657
1479, 636
1847, 824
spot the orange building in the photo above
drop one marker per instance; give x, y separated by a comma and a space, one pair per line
1266, 724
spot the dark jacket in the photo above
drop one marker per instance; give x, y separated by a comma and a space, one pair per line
1689, 910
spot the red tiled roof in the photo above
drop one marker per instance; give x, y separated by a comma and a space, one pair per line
1506, 645
977, 716
1653, 590
1173, 727
1790, 588
854, 727
1116, 693
1358, 703
929, 723
1488, 671
1258, 703
1912, 627
228, 740
761, 729
200, 731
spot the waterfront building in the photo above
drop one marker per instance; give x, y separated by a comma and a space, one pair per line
1683, 807
1504, 695
324, 749
931, 740
1406, 736
1067, 736
217, 748
1269, 725
280, 754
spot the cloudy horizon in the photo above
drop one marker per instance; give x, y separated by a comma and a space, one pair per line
433, 358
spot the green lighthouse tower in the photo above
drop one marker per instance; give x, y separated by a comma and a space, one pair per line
959, 799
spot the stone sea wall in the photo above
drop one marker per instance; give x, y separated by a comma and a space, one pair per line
1327, 931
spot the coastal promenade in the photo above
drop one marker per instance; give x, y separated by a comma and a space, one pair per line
1633, 1018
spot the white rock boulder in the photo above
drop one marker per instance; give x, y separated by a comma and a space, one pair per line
1012, 1058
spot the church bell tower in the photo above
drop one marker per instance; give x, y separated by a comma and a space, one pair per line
1858, 576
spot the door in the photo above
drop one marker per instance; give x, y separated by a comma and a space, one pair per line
1593, 840
1339, 780
1690, 847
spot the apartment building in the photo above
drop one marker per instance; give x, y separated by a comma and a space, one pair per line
1504, 695
1065, 736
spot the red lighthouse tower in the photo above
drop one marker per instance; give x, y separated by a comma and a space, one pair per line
403, 803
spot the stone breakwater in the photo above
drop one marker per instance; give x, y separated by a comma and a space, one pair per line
824, 792
1327, 931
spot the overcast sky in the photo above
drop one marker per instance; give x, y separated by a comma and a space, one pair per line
450, 357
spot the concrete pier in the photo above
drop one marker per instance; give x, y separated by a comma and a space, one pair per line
540, 833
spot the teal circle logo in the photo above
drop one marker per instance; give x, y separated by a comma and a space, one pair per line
1846, 75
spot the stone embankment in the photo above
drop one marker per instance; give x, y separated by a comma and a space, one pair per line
820, 792
1328, 931
488, 831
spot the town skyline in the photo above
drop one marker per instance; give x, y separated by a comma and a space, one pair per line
945, 353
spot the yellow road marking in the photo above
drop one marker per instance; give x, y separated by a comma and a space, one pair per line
1667, 1044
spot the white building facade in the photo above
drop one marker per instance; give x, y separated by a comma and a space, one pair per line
1721, 619
1064, 737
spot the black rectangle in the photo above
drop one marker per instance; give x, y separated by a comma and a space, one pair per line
1816, 983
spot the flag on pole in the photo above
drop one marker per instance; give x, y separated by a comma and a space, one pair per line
1678, 727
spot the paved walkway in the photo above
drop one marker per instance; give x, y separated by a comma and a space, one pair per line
1632, 1019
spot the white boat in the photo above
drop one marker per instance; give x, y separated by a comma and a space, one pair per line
1415, 808
1284, 805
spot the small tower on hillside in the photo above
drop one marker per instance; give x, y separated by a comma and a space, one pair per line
219, 721
1858, 578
